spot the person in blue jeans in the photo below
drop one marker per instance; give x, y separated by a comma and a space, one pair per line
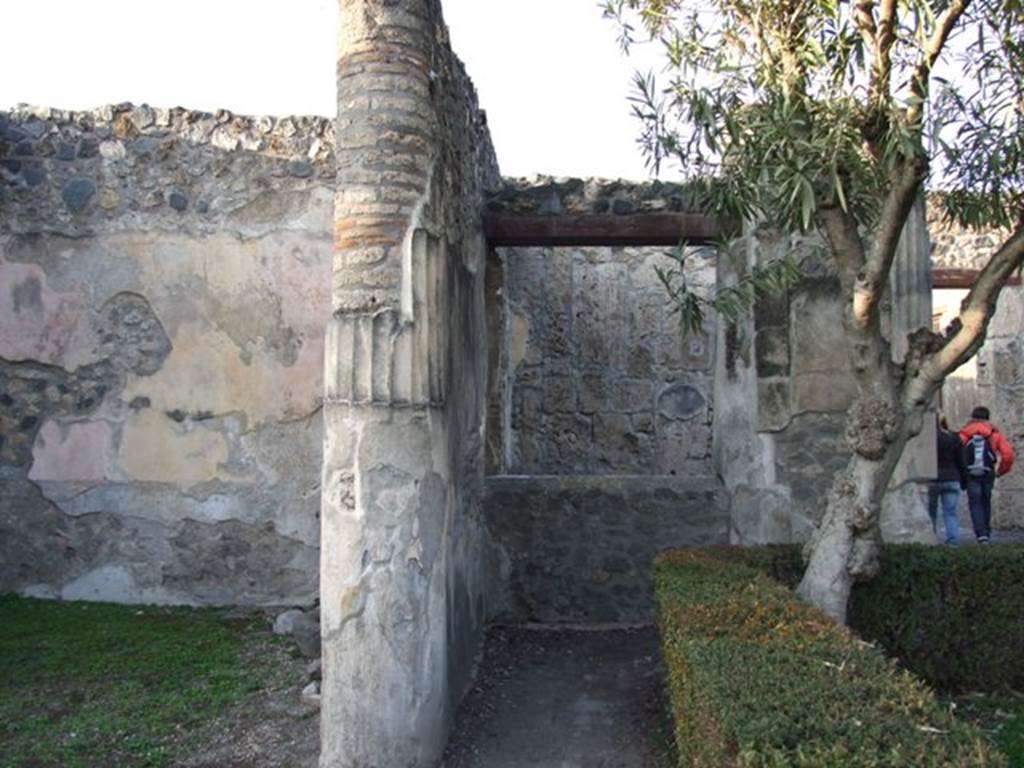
988, 455
952, 478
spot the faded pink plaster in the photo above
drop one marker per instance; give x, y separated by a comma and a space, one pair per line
297, 388
73, 453
303, 281
36, 323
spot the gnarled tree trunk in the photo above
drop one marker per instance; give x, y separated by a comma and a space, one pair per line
847, 542
892, 398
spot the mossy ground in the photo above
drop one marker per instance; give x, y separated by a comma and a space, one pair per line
90, 684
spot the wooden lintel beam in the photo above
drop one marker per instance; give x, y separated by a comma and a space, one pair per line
961, 278
608, 229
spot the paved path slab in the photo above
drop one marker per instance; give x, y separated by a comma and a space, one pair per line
547, 698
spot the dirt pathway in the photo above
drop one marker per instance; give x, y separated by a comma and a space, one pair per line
563, 699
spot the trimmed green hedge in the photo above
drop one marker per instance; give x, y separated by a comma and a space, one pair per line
954, 617
759, 678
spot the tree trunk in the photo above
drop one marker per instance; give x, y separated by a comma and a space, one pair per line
847, 542
845, 547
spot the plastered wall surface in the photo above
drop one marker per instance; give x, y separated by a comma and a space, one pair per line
601, 379
165, 283
782, 388
404, 551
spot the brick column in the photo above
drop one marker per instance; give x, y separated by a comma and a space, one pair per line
386, 478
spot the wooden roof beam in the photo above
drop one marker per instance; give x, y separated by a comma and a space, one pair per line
961, 278
505, 230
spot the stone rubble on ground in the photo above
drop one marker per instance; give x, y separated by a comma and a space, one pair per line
311, 693
303, 627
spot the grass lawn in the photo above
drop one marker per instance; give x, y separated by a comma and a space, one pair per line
1001, 716
91, 684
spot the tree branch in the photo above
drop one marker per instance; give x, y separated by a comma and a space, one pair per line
933, 49
905, 184
864, 13
885, 38
840, 231
969, 329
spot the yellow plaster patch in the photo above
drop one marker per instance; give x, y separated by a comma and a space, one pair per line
206, 372
156, 449
519, 336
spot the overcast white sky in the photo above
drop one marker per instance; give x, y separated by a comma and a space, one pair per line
548, 72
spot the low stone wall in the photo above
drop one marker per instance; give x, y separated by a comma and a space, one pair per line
166, 283
580, 548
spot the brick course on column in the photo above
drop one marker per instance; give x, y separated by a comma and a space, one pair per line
403, 580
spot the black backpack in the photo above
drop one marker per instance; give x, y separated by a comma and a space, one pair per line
981, 459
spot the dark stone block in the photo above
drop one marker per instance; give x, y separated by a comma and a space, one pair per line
301, 169
88, 148
24, 149
34, 175
772, 352
65, 152
12, 165
773, 408
77, 193
730, 351
623, 207
177, 201
601, 206
12, 134
551, 204
202, 206
824, 286
34, 128
617, 565
771, 310
144, 145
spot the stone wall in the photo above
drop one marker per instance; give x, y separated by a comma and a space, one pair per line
995, 376
165, 285
782, 388
580, 548
599, 434
404, 555
600, 379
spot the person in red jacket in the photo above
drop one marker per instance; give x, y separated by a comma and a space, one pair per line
988, 455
